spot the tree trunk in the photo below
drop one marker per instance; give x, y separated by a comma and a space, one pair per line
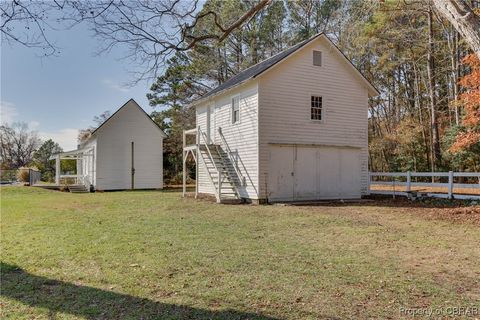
420, 113
463, 19
436, 154
454, 75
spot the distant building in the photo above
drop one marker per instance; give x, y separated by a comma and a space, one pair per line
125, 152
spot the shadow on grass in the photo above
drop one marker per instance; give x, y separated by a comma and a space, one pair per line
93, 303
388, 201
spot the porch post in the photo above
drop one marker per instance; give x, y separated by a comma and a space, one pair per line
79, 169
57, 169
184, 162
197, 140
93, 178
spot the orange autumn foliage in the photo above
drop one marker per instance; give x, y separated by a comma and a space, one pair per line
470, 100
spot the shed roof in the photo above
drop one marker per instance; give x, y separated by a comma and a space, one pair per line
140, 108
112, 116
264, 65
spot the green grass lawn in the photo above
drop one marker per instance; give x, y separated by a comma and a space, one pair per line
154, 255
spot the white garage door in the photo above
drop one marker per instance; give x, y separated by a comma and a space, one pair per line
309, 173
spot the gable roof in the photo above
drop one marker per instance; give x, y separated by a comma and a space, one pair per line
123, 106
259, 68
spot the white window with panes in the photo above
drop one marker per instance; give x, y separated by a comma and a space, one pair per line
316, 108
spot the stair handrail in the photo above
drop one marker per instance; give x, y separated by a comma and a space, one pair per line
241, 162
230, 156
219, 191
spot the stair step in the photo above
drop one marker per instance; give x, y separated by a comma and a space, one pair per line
217, 159
231, 201
78, 189
224, 182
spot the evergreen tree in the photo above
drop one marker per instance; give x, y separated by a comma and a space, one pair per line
171, 94
41, 159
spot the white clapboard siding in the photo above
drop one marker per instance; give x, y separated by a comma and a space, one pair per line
113, 155
241, 137
204, 184
284, 104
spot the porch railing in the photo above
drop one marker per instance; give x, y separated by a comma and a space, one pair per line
218, 191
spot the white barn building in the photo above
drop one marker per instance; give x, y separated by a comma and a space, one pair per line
124, 152
293, 127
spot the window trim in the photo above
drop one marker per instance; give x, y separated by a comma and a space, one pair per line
231, 109
316, 94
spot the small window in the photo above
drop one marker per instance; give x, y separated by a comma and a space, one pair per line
235, 109
317, 58
316, 108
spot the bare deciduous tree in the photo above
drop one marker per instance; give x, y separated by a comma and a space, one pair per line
150, 31
463, 19
26, 23
17, 145
84, 134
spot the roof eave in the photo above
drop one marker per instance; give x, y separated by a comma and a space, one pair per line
202, 100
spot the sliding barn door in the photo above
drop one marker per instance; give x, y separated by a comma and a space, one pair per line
311, 173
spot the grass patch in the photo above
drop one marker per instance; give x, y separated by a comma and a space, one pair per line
154, 255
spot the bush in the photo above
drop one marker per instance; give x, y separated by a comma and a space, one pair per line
48, 176
8, 175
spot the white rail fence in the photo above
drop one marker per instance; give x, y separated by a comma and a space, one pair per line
406, 180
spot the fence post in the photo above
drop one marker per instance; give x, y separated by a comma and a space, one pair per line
409, 181
393, 182
450, 184
369, 182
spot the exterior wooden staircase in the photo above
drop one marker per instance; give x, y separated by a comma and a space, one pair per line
221, 172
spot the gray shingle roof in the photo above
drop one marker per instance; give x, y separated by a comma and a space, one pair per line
255, 70
261, 67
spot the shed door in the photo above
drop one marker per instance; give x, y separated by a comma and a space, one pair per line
328, 172
281, 183
305, 173
315, 173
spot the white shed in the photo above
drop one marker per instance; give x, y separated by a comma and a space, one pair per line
292, 127
125, 152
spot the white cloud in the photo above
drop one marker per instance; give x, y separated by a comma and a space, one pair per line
66, 138
115, 86
8, 112
33, 125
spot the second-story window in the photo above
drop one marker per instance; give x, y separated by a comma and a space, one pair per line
316, 108
235, 109
317, 58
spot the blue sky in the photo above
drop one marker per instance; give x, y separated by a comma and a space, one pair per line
57, 96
